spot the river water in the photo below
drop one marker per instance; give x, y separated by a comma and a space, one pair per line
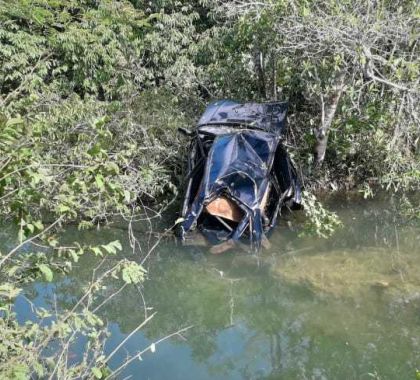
308, 308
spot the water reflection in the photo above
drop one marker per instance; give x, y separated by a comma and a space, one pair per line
344, 308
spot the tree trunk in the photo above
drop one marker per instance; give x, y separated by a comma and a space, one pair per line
259, 68
274, 79
328, 112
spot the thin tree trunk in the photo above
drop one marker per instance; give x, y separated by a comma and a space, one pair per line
328, 110
259, 68
274, 78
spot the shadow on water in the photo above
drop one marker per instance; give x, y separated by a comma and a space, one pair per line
344, 308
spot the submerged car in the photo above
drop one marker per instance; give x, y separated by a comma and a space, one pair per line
239, 174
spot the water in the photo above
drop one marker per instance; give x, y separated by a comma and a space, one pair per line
344, 308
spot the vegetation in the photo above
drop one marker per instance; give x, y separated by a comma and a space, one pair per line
92, 94
350, 71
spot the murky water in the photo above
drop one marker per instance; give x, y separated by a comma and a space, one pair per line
344, 308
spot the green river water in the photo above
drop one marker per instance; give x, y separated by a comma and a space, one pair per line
308, 308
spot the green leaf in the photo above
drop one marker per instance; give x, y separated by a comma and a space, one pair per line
14, 121
74, 255
39, 226
98, 123
63, 208
39, 369
97, 251
112, 247
127, 196
13, 269
19, 372
95, 150
9, 291
97, 372
133, 273
46, 271
99, 179
21, 235
113, 167
30, 227
116, 244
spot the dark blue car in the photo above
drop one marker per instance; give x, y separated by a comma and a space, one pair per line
239, 174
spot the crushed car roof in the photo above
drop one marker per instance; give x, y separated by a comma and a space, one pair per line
266, 116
